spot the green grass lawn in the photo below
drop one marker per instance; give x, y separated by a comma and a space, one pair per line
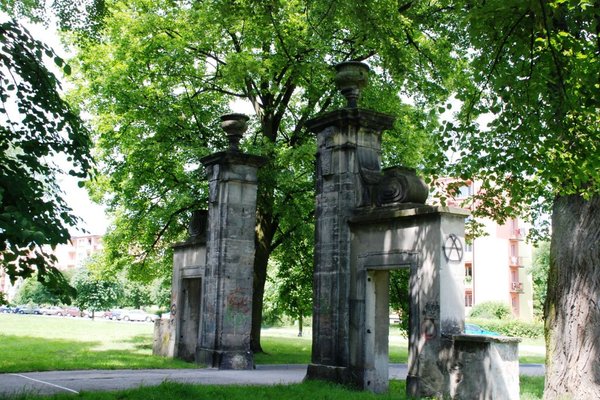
282, 346
34, 343
530, 390
532, 351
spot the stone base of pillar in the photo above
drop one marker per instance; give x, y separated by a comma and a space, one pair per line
330, 373
361, 379
238, 360
469, 367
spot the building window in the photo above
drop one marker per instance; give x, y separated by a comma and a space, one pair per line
465, 192
514, 275
468, 270
468, 299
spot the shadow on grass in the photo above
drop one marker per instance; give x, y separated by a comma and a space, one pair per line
22, 353
141, 342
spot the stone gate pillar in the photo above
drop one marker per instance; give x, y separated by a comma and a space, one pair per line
371, 221
224, 337
348, 159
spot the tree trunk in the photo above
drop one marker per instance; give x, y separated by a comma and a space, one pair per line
300, 324
264, 236
572, 309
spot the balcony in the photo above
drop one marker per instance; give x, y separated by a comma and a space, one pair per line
518, 234
468, 282
516, 287
517, 261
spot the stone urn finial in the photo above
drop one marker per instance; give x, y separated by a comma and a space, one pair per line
351, 77
234, 126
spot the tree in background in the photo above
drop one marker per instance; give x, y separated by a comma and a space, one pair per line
164, 71
160, 293
294, 277
134, 294
41, 137
37, 127
32, 291
399, 295
539, 274
533, 66
93, 292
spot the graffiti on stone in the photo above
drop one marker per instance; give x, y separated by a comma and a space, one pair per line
238, 301
453, 249
431, 309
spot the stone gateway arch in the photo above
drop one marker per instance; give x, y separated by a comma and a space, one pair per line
369, 221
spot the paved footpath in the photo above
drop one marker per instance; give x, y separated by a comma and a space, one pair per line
101, 380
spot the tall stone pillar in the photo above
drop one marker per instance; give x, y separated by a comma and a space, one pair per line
224, 338
369, 222
348, 170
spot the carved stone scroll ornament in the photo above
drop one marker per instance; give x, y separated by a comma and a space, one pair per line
401, 185
198, 224
370, 174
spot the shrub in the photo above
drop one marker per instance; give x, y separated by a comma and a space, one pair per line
512, 327
491, 309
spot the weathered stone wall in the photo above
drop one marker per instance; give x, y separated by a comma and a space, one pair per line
483, 368
405, 236
178, 335
348, 155
224, 338
162, 337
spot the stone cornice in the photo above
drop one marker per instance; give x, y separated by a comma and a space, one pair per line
366, 216
351, 117
233, 157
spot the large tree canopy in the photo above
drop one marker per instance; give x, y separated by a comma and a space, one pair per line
535, 67
38, 133
162, 72
536, 73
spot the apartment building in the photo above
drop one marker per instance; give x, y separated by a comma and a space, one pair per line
69, 256
73, 254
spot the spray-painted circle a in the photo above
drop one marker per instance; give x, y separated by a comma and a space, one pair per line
453, 249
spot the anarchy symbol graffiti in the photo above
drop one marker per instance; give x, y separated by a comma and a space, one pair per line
453, 249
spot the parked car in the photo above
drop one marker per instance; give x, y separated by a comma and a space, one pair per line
72, 312
472, 329
27, 309
5, 309
113, 314
136, 315
94, 313
52, 310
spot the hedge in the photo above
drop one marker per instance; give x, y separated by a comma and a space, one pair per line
511, 327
